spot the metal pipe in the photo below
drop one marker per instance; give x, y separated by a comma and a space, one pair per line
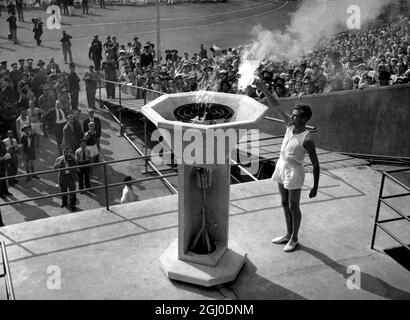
376, 218
88, 189
244, 170
393, 236
392, 219
397, 181
7, 274
396, 196
404, 216
107, 201
142, 157
133, 86
145, 142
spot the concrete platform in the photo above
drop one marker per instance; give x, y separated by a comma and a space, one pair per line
226, 270
98, 254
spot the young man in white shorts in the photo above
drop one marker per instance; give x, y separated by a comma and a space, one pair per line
289, 171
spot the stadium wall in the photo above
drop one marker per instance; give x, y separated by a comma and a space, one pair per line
370, 121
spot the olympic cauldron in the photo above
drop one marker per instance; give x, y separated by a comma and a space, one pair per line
202, 128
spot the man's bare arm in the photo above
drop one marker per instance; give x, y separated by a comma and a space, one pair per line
309, 145
273, 102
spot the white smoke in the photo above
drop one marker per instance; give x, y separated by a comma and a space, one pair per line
312, 21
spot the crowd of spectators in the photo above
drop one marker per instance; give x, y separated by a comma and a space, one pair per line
35, 101
377, 56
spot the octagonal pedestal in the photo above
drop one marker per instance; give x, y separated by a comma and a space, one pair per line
226, 270
202, 254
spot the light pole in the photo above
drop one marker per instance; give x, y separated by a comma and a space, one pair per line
158, 35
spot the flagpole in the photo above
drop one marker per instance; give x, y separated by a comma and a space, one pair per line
158, 35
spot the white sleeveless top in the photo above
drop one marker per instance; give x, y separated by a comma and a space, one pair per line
289, 169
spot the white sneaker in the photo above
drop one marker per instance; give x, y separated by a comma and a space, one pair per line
280, 240
290, 246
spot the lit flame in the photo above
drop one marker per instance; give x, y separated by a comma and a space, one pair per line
247, 73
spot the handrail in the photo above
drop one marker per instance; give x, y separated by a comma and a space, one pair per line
7, 274
382, 200
310, 128
81, 166
131, 86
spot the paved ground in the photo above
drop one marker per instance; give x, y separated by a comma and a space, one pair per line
128, 240
183, 27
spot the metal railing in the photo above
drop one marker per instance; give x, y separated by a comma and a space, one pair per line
6, 272
382, 200
123, 132
106, 185
142, 92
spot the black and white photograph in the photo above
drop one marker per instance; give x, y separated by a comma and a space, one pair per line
205, 155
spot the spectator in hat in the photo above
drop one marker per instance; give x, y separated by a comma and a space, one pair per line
52, 67
95, 53
67, 177
72, 133
66, 46
45, 103
7, 91
19, 7
38, 30
13, 148
34, 115
29, 151
11, 7
146, 58
83, 156
38, 79
85, 6
73, 87
12, 27
56, 120
95, 120
93, 142
128, 194
203, 54
109, 66
4, 157
21, 122
4, 70
91, 79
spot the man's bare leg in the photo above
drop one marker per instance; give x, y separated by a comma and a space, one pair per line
284, 194
294, 208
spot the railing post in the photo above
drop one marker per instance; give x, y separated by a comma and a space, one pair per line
145, 96
145, 143
376, 218
107, 201
99, 81
119, 102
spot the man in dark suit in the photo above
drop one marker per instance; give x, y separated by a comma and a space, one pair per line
72, 133
95, 53
91, 79
4, 156
67, 178
56, 120
96, 121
